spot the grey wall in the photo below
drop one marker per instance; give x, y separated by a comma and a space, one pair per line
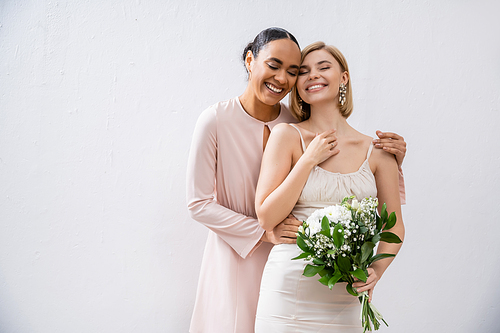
98, 100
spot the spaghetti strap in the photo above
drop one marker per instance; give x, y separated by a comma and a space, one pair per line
301, 138
369, 151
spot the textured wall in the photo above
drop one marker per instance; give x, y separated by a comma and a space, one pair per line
98, 100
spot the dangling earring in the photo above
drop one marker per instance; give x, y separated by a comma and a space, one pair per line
300, 103
342, 90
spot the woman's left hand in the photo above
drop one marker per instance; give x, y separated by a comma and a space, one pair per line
392, 143
369, 285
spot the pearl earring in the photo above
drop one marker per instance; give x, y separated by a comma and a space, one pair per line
342, 92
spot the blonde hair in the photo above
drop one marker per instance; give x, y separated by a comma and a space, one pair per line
304, 112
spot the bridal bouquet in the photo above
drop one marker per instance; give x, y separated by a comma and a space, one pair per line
339, 242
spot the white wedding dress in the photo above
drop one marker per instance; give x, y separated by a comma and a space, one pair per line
292, 302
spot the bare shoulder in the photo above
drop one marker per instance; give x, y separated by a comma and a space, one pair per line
284, 142
284, 131
284, 127
380, 158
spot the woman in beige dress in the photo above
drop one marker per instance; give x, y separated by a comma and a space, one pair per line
303, 171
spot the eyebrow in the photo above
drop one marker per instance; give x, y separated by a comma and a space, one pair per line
281, 62
318, 63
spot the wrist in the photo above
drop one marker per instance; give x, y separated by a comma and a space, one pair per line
268, 237
379, 269
264, 237
307, 162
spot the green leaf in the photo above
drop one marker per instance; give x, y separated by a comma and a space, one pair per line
391, 221
380, 256
350, 290
389, 237
344, 264
301, 235
357, 259
324, 279
318, 261
363, 229
376, 238
366, 251
325, 224
302, 244
323, 272
383, 213
334, 279
379, 222
338, 236
302, 255
311, 270
360, 274
326, 233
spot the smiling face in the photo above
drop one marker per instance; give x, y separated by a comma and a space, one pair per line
320, 77
274, 72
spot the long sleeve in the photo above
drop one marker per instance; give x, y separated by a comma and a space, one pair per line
241, 232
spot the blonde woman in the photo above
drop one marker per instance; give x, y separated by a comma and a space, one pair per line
310, 165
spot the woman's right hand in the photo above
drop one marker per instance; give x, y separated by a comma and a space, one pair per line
322, 147
285, 232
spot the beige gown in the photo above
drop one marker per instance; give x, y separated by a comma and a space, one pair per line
223, 169
291, 302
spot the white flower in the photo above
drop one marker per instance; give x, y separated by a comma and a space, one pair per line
314, 222
355, 204
333, 213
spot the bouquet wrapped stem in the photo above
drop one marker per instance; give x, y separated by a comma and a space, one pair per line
339, 243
